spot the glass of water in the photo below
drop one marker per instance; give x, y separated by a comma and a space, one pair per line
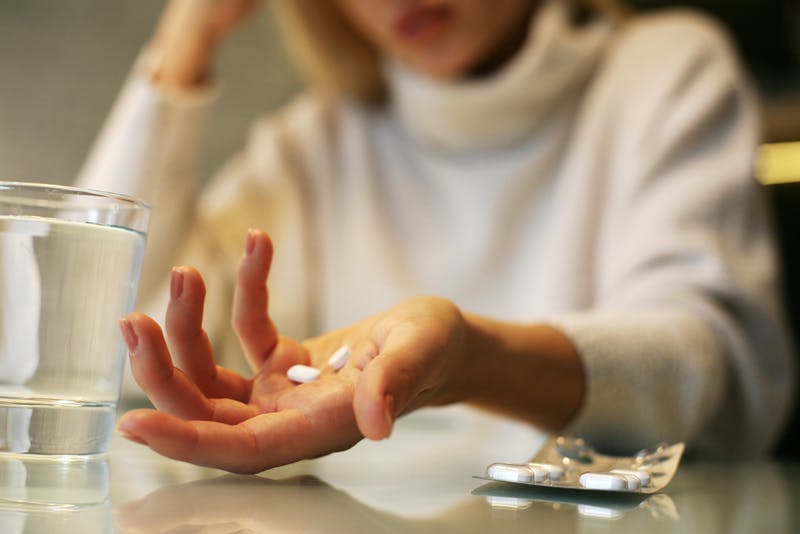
69, 266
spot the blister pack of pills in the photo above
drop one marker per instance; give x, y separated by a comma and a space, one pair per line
572, 463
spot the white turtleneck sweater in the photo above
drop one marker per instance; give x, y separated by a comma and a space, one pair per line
600, 182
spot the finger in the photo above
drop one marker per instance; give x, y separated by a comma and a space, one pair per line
231, 412
286, 353
189, 343
374, 408
265, 441
312, 419
167, 387
390, 384
364, 352
250, 317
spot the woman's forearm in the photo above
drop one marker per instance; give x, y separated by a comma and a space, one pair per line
532, 372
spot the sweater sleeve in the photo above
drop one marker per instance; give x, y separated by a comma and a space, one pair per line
686, 342
149, 147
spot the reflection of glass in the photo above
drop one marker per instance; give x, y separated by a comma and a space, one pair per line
69, 263
94, 520
62, 482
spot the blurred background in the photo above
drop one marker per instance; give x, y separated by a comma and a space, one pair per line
63, 61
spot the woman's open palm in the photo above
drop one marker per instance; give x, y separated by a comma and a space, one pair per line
209, 415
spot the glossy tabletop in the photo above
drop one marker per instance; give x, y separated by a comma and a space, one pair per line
406, 484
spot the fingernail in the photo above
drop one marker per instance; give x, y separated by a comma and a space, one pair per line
130, 336
176, 283
251, 242
127, 435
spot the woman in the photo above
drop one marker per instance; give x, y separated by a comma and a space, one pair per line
575, 191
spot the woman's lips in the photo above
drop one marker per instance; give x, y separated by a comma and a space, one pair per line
423, 23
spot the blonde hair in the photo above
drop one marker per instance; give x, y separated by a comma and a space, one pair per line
338, 61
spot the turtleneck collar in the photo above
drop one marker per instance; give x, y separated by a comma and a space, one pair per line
501, 108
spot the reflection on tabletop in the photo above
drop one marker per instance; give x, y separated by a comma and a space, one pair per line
706, 498
421, 480
409, 484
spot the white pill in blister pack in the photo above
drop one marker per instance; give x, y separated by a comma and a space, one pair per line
302, 373
554, 472
631, 481
539, 474
603, 481
516, 473
339, 358
571, 463
643, 476
510, 472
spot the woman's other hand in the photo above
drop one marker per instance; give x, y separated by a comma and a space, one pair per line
188, 33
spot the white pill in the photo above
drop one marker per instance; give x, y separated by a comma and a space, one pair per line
554, 472
510, 472
631, 481
540, 474
643, 476
339, 358
302, 373
603, 481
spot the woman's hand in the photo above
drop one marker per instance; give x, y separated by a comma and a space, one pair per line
402, 359
188, 33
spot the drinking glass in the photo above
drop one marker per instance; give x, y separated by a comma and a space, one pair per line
69, 266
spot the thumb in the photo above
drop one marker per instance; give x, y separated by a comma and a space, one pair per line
389, 386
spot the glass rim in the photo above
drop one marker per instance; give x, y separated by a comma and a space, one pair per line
128, 201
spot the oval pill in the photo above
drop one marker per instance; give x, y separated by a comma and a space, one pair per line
554, 472
540, 474
603, 481
339, 358
632, 482
302, 373
510, 473
643, 476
